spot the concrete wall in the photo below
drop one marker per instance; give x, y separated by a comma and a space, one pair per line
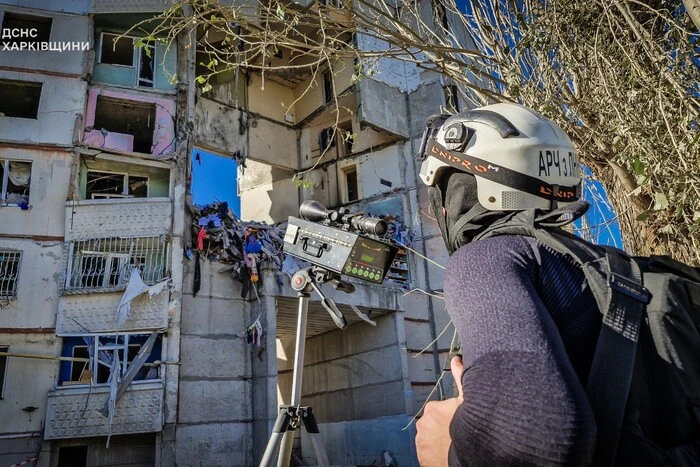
47, 196
27, 382
273, 143
267, 193
64, 29
309, 93
75, 6
60, 109
40, 279
214, 421
354, 380
270, 99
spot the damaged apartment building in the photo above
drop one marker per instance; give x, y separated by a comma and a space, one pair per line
146, 316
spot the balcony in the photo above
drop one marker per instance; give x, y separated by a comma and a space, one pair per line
97, 313
140, 410
118, 217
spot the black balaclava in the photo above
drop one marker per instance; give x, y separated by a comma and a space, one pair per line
465, 217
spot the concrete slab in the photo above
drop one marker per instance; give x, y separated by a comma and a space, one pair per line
214, 316
215, 444
205, 358
213, 401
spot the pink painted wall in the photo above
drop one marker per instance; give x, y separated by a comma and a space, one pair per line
163, 135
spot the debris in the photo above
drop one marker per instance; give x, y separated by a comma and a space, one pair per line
243, 246
135, 288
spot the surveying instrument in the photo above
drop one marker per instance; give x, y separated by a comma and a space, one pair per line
334, 242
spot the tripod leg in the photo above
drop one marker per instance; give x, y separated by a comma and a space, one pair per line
311, 427
285, 455
279, 431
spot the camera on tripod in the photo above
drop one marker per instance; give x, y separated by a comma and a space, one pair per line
340, 241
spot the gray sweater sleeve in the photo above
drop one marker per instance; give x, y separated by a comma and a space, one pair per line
524, 403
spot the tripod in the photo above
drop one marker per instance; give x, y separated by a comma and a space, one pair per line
293, 416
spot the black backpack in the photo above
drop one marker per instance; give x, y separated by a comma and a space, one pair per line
644, 383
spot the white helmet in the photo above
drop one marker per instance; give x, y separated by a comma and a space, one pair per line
521, 160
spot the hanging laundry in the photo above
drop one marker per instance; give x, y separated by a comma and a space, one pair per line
200, 238
254, 333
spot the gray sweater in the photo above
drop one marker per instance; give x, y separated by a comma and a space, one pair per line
528, 325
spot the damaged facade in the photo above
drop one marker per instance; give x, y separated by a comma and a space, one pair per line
100, 162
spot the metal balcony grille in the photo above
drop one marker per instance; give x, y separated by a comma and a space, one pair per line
9, 272
106, 263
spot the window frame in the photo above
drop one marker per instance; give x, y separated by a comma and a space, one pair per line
125, 184
135, 59
124, 351
19, 255
343, 171
6, 177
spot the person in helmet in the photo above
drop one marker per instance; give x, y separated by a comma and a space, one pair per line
527, 321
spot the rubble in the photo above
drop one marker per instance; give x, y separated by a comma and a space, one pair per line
242, 246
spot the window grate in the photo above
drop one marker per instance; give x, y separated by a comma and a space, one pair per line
9, 272
106, 263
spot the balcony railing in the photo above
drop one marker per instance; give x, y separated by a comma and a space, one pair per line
105, 264
122, 217
140, 410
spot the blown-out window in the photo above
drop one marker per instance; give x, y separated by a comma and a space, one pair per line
15, 178
19, 99
95, 358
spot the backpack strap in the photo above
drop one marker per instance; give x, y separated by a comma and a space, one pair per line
611, 372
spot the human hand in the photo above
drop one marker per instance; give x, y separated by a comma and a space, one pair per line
433, 428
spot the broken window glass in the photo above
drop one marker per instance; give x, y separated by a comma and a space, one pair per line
19, 99
146, 58
15, 179
103, 349
117, 50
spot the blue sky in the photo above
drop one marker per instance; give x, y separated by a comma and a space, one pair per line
214, 179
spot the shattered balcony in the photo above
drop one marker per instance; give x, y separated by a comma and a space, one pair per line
140, 410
